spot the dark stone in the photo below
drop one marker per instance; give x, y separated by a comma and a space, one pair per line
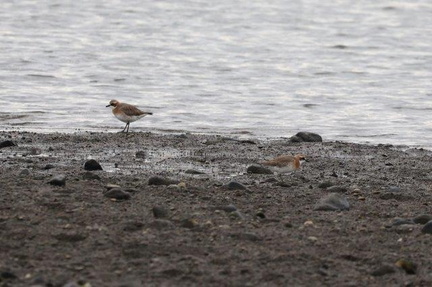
157, 180
227, 208
24, 172
337, 188
140, 154
325, 184
257, 169
7, 275
394, 195
189, 223
92, 165
117, 193
58, 180
91, 176
48, 166
236, 215
70, 237
6, 144
247, 236
422, 219
408, 266
427, 228
132, 226
234, 185
132, 190
333, 202
383, 270
306, 137
162, 224
401, 221
160, 212
192, 171
394, 189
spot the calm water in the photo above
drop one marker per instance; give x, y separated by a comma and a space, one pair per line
349, 70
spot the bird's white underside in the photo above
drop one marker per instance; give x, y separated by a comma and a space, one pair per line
128, 119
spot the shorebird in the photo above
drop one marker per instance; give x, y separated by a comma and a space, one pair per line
126, 113
285, 163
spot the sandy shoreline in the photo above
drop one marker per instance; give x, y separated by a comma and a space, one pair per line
199, 230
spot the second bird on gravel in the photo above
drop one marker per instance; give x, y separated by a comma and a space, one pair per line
285, 163
126, 113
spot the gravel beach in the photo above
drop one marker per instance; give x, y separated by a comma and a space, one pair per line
147, 209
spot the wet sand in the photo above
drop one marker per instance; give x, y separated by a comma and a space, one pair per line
196, 229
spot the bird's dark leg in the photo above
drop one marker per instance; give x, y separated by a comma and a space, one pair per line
127, 127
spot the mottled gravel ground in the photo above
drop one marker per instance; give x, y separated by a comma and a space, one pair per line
199, 232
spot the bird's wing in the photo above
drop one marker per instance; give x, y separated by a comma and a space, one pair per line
132, 110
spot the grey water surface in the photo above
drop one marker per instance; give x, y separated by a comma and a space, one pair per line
349, 70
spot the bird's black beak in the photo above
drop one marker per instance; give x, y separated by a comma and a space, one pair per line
108, 106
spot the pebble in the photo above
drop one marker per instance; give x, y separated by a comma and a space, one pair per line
393, 195
408, 266
91, 176
325, 184
401, 221
394, 189
48, 166
162, 224
257, 169
234, 185
7, 275
337, 188
427, 228
227, 208
192, 171
246, 236
58, 180
422, 219
313, 238
160, 212
333, 202
157, 180
133, 226
306, 137
308, 223
383, 270
140, 154
189, 223
111, 186
6, 144
71, 236
24, 172
117, 193
236, 215
260, 214
92, 165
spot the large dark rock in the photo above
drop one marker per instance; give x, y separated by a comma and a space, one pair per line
6, 144
160, 212
422, 219
92, 165
333, 202
157, 180
234, 185
427, 228
58, 180
306, 137
117, 193
257, 169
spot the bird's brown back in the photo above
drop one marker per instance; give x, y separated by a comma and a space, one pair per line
281, 161
130, 110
